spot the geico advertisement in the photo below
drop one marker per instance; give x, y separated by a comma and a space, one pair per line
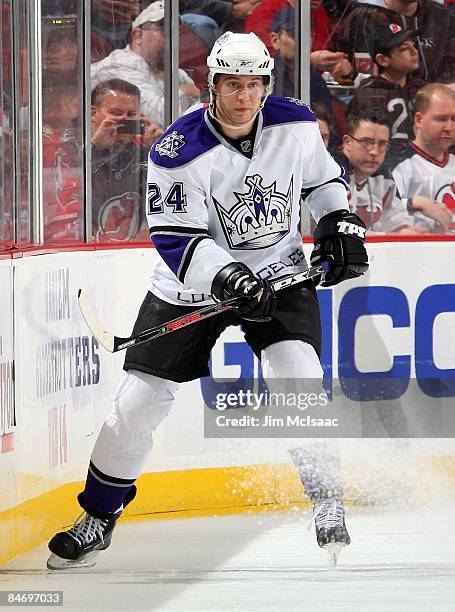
380, 332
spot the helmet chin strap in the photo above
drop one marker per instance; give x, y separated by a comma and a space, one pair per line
212, 108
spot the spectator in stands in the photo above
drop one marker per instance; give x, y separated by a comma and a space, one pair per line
209, 17
435, 39
142, 63
62, 164
6, 131
283, 41
111, 24
121, 139
426, 173
327, 125
396, 58
59, 47
373, 195
62, 137
322, 59
111, 27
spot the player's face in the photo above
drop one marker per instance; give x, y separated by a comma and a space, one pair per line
238, 98
366, 147
405, 58
436, 127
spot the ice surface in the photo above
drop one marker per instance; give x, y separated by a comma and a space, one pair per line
398, 561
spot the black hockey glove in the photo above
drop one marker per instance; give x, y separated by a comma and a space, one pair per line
339, 239
237, 280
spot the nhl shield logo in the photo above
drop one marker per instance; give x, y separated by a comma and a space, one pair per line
170, 144
260, 218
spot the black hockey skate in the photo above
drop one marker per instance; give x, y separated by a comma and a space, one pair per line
80, 546
331, 532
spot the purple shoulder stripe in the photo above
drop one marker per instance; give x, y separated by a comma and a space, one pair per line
185, 140
277, 111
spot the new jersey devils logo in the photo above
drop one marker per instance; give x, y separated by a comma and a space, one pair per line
119, 218
395, 28
446, 195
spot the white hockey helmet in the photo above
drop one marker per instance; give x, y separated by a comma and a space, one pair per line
240, 54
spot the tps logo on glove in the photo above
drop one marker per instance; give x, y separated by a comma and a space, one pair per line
344, 227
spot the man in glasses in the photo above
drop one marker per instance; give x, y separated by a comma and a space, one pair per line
373, 194
224, 206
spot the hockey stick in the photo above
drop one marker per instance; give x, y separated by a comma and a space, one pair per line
113, 344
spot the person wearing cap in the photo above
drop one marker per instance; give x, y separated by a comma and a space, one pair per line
397, 59
224, 204
142, 64
283, 41
322, 57
435, 40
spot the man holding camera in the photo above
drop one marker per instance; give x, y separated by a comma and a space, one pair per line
121, 139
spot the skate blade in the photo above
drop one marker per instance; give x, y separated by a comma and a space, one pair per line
334, 550
58, 563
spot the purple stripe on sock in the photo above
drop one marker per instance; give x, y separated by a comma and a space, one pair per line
103, 497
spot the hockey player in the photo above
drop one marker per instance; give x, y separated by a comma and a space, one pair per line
223, 205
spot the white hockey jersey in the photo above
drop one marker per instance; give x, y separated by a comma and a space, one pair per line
378, 204
208, 204
418, 174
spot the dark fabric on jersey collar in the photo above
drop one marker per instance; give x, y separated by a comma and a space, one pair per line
429, 158
236, 142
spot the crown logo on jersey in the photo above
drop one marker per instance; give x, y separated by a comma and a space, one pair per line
261, 217
170, 144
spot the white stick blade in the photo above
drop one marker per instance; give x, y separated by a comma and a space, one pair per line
105, 338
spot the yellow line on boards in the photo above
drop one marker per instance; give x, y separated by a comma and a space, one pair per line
185, 493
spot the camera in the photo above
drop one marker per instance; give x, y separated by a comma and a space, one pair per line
131, 126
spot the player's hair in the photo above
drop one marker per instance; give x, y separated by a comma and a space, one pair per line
422, 100
105, 87
371, 114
